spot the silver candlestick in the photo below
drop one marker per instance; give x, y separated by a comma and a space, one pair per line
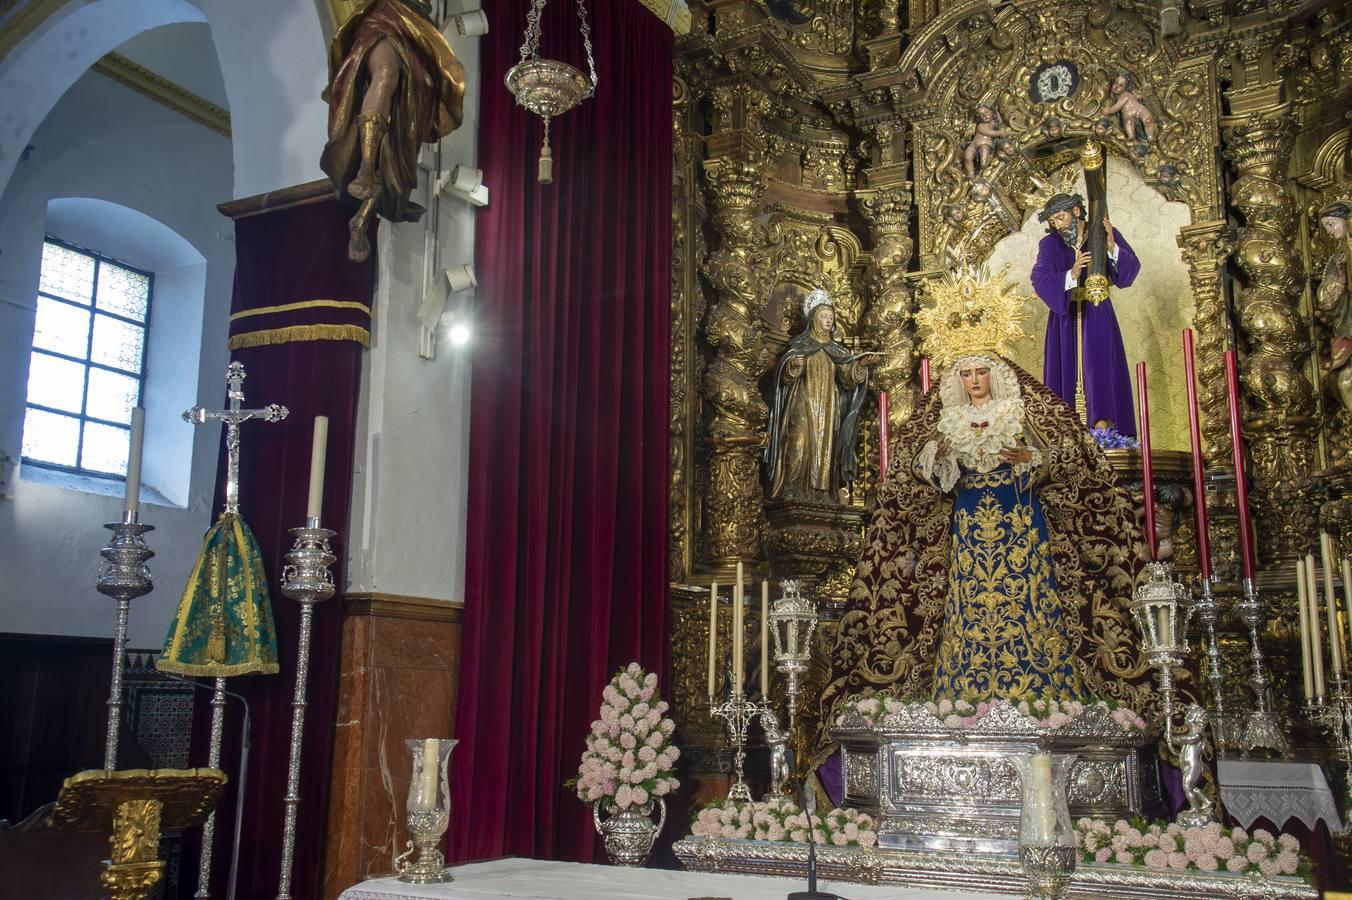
124, 577
307, 580
739, 713
793, 619
1261, 729
1208, 612
213, 762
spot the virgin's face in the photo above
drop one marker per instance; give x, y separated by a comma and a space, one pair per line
1336, 226
976, 380
824, 319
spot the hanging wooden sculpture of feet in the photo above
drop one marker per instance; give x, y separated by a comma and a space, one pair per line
394, 85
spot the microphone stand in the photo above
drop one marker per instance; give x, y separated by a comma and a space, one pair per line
810, 807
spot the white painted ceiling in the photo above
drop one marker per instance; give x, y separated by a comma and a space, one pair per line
182, 53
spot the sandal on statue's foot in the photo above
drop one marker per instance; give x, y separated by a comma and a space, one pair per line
363, 186
358, 246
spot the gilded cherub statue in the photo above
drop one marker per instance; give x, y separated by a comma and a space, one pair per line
394, 85
989, 127
1138, 122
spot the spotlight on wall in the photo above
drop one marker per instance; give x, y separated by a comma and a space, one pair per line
461, 278
465, 182
471, 24
460, 333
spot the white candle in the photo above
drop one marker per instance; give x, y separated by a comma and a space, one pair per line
1044, 817
1306, 672
713, 637
428, 777
317, 452
1316, 632
737, 613
1347, 590
1331, 598
765, 640
131, 501
1163, 622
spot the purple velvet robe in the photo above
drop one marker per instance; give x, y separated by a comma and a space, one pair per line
1107, 382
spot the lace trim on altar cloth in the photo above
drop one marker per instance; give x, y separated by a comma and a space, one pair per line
1278, 792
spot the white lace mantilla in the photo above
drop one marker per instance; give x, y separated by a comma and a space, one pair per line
1277, 791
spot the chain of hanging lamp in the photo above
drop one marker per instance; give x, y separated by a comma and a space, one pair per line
550, 87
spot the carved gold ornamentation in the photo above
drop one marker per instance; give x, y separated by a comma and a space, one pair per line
891, 309
1278, 395
1205, 249
736, 428
135, 805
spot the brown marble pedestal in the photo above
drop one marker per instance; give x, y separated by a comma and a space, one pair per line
400, 662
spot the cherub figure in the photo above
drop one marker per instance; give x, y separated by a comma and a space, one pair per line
1138, 122
777, 740
989, 126
1191, 745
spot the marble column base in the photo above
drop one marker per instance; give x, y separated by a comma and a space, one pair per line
400, 662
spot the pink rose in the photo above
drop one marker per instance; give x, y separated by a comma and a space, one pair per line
868, 838
1178, 861
1236, 864
839, 839
1156, 859
1124, 856
1102, 855
1207, 863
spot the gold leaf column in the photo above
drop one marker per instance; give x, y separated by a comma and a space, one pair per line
1279, 421
891, 300
1205, 249
738, 414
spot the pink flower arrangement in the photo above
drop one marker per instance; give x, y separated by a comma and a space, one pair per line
629, 760
782, 820
1210, 848
956, 714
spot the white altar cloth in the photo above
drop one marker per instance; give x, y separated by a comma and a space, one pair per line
1277, 790
535, 879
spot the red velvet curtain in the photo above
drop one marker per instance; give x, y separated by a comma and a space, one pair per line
299, 318
566, 576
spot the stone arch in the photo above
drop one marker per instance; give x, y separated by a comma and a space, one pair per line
272, 58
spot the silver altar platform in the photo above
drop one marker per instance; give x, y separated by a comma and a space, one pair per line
990, 874
931, 787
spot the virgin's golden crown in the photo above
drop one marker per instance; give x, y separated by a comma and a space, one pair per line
969, 312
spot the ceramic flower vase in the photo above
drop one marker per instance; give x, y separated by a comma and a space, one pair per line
629, 833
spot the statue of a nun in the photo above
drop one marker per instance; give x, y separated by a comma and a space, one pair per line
814, 420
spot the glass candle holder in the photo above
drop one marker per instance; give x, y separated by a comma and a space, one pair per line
429, 811
1046, 834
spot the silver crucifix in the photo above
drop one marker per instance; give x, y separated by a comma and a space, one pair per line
233, 418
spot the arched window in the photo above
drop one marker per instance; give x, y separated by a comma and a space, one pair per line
87, 369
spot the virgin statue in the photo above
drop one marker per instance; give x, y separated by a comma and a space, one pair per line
1001, 552
814, 420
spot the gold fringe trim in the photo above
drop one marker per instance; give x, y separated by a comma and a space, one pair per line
295, 334
217, 671
301, 304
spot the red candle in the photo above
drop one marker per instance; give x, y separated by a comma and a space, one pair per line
1195, 432
924, 376
1147, 466
1237, 450
882, 436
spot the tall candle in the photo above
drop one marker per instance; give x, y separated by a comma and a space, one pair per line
131, 501
427, 784
1044, 817
1316, 632
318, 450
1307, 673
882, 436
765, 640
1198, 480
1237, 451
1147, 465
713, 637
1347, 590
1331, 598
924, 376
737, 613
